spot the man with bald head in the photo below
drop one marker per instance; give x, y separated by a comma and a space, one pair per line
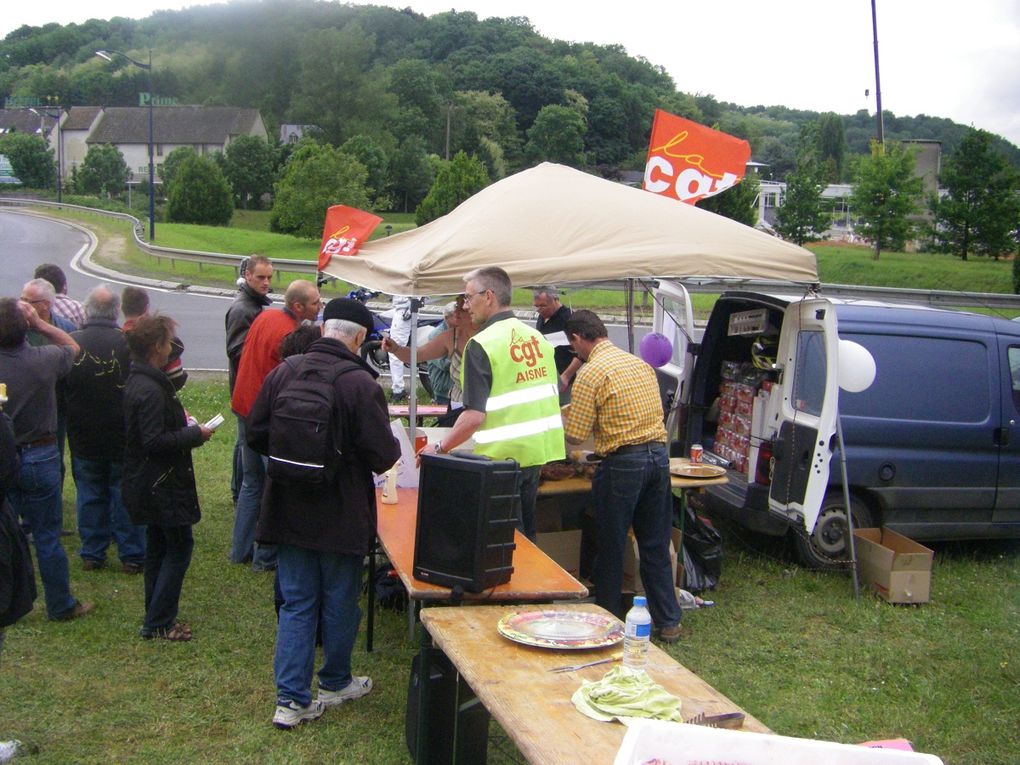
94, 389
259, 356
40, 294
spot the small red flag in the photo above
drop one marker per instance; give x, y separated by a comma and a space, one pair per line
345, 230
688, 161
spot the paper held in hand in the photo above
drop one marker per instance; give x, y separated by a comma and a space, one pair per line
215, 422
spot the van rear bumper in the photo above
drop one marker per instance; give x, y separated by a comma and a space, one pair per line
745, 505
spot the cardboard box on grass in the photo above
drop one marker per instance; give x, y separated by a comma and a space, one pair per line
564, 547
631, 565
897, 568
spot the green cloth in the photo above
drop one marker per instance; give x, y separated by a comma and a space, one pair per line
625, 692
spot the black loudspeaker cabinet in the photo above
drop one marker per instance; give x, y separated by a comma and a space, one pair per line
467, 512
457, 729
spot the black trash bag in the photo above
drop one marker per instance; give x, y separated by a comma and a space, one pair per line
702, 553
389, 590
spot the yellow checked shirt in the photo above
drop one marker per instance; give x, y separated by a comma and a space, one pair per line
616, 396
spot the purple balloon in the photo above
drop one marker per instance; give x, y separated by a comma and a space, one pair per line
656, 349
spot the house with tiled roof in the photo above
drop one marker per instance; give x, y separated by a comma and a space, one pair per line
206, 129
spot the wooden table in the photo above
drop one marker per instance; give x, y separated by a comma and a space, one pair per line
421, 411
580, 485
533, 704
536, 576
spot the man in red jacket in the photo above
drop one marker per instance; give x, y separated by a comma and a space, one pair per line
260, 355
323, 531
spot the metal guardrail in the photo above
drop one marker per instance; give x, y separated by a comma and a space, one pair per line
933, 298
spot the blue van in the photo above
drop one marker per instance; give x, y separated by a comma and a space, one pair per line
932, 446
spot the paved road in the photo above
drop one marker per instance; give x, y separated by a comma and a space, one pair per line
27, 240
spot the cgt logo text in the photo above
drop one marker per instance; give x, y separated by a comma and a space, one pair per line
689, 183
526, 350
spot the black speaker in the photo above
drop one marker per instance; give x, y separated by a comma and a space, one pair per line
467, 512
458, 724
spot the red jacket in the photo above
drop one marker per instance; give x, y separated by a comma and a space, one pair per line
260, 355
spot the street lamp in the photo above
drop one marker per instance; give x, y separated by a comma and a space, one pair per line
60, 148
107, 55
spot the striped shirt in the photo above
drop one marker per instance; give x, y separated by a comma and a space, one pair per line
616, 396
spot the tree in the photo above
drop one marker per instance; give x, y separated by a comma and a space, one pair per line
316, 177
30, 158
980, 213
167, 170
411, 173
800, 218
832, 147
456, 180
200, 194
104, 170
885, 193
368, 152
557, 135
739, 202
248, 166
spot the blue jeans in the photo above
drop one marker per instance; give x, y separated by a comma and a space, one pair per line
167, 557
246, 513
36, 498
633, 490
315, 585
102, 516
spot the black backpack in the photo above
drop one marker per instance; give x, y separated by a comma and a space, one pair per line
305, 435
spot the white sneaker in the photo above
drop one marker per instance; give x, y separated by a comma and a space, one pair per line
358, 687
291, 714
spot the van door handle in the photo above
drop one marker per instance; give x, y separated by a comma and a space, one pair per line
1001, 436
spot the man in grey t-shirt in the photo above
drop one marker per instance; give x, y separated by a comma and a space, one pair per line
31, 375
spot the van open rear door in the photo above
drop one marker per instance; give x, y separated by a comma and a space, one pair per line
807, 409
674, 318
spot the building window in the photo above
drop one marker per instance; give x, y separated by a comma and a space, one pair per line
159, 150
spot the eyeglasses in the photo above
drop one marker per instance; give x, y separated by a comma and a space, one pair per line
469, 296
37, 300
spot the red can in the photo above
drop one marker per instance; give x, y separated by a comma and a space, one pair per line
696, 453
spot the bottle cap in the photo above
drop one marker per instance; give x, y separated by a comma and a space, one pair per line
640, 600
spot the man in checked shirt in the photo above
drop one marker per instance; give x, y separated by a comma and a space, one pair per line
616, 397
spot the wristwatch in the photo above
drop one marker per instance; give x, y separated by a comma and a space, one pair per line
440, 449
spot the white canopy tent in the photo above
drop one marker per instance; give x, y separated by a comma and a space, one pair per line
554, 225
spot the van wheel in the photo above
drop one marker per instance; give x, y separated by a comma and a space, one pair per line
825, 547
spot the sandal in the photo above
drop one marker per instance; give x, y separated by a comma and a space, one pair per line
178, 633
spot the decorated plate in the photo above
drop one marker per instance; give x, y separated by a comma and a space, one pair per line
699, 470
561, 629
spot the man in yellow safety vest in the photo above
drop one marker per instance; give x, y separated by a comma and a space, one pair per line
511, 392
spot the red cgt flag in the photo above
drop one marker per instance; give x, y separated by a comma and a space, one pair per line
688, 161
345, 230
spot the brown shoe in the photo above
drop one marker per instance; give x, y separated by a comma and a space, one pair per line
90, 564
670, 634
131, 568
80, 609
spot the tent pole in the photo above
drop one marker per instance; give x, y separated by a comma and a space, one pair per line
629, 292
846, 501
412, 399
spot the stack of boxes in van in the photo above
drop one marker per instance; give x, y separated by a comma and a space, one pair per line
743, 396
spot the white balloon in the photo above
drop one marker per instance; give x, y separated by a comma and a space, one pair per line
856, 367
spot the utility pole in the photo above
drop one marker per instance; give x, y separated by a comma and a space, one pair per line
878, 83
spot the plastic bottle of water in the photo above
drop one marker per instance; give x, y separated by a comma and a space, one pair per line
637, 635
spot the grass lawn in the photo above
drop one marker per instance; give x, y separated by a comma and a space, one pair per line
791, 646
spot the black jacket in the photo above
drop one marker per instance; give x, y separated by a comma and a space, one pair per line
94, 392
340, 519
158, 485
17, 577
242, 312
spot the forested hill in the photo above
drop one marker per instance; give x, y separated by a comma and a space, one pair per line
400, 76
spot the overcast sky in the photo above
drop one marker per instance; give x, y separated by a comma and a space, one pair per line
943, 58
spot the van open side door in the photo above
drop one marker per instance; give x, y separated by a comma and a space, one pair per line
805, 411
674, 318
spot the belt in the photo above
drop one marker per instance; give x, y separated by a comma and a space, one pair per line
44, 441
651, 446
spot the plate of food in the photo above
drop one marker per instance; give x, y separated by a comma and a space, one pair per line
561, 629
696, 470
